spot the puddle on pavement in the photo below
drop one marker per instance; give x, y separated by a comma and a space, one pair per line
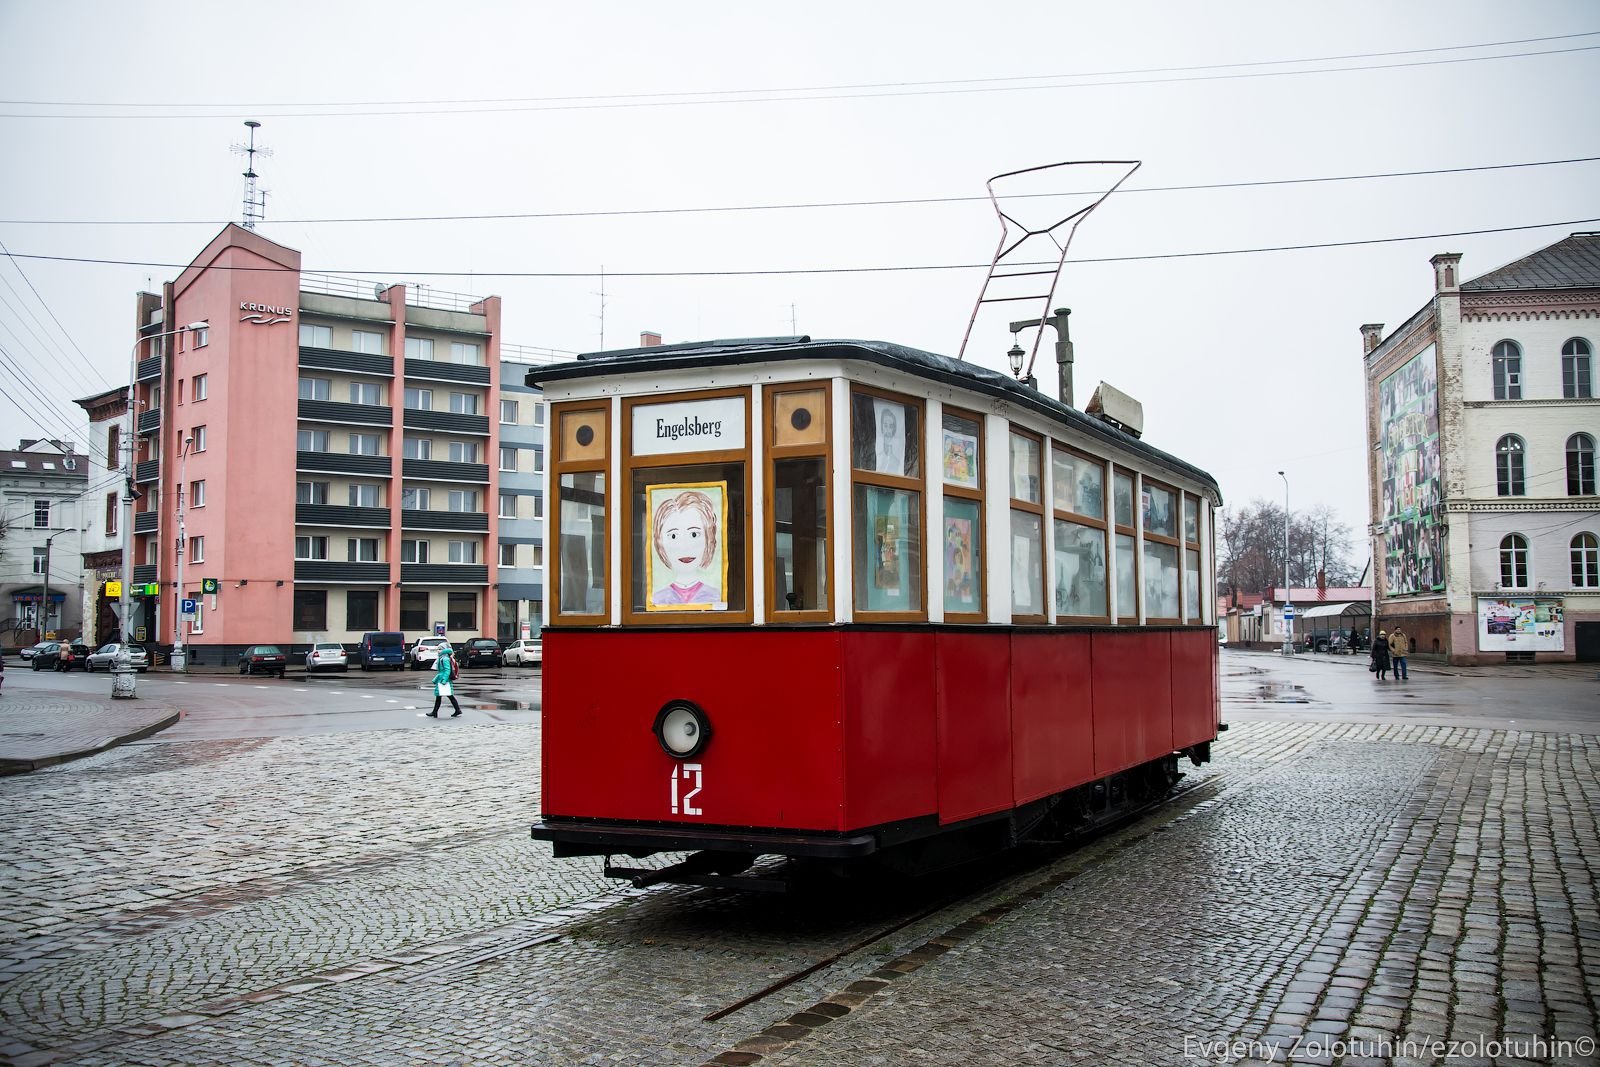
1280, 693
502, 705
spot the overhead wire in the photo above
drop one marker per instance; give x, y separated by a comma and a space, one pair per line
45, 304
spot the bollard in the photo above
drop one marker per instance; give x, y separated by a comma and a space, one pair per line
122, 681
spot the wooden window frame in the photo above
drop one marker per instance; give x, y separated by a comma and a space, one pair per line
1018, 504
975, 495
561, 466
1102, 524
1124, 616
918, 485
776, 613
631, 463
1146, 482
1200, 553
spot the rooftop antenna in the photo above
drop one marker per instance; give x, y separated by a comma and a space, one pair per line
255, 203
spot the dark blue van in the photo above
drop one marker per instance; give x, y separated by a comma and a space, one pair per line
382, 650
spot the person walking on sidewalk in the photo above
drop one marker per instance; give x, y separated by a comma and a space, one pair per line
1399, 649
1380, 655
443, 682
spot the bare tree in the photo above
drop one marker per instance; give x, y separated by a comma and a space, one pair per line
1252, 548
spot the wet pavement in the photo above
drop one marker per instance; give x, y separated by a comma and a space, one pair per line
1357, 878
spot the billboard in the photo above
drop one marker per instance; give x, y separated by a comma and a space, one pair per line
1410, 493
1520, 624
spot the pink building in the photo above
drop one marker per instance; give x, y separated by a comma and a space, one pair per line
327, 444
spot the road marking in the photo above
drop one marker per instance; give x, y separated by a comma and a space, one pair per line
391, 702
261, 687
302, 690
223, 684
366, 696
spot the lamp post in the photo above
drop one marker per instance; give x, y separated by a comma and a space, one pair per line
44, 586
122, 674
180, 658
1288, 592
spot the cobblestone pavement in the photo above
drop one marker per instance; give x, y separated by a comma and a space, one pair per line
38, 729
373, 898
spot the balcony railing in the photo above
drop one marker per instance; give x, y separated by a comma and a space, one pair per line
144, 572
346, 414
422, 296
327, 570
149, 421
148, 471
146, 522
444, 574
341, 515
439, 470
352, 362
343, 463
434, 370
149, 368
446, 422
465, 521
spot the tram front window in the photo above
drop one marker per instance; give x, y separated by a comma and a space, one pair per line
688, 540
800, 535
583, 543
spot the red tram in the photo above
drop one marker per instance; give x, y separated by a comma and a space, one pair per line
850, 601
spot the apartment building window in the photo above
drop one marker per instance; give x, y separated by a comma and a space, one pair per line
1508, 465
1586, 561
111, 514
463, 552
366, 393
364, 444
414, 609
366, 341
538, 461
39, 557
538, 413
202, 336
364, 495
310, 547
311, 609
508, 412
415, 499
201, 388
316, 336
416, 448
419, 348
419, 399
508, 459
197, 550
1580, 465
1514, 562
1507, 371
538, 505
414, 551
311, 492
508, 555
464, 403
41, 514
361, 549
199, 440
463, 612
1577, 378
508, 506
114, 449
538, 555
311, 440
463, 500
197, 493
361, 609
177, 391
198, 624
465, 353
463, 451
315, 388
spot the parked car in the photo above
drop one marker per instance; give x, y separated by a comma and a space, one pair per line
523, 653
263, 659
327, 656
105, 657
33, 650
481, 652
382, 649
60, 656
425, 651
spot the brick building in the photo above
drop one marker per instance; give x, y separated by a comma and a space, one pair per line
1482, 420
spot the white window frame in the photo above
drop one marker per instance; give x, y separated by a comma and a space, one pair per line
360, 389
508, 506
359, 489
467, 551
468, 498
471, 350
419, 348
417, 547
367, 342
507, 452
312, 543
41, 518
320, 336
463, 452
504, 545
377, 444
310, 384
510, 407
422, 446
197, 549
356, 550
197, 493
199, 389
424, 398
464, 403
421, 498
199, 439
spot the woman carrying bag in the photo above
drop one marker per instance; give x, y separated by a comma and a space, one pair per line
1380, 656
443, 675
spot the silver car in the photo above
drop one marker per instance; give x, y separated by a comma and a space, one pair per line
105, 657
523, 653
327, 656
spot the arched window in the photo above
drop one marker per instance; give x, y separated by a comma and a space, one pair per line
1508, 466
1586, 561
1513, 562
1580, 465
1577, 380
1507, 371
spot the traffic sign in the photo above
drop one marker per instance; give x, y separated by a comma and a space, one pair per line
188, 607
1288, 611
139, 633
208, 585
114, 589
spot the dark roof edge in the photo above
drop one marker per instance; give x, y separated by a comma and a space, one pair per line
894, 357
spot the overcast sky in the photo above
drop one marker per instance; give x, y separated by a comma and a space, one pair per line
122, 115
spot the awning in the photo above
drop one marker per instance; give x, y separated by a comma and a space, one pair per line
1326, 611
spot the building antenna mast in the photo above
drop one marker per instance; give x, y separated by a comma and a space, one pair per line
255, 202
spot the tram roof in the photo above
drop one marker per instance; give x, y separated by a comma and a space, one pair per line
749, 350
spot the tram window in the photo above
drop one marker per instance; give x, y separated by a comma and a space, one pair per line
1127, 580
1080, 570
1160, 511
1024, 468
1027, 529
582, 506
800, 534
1191, 585
1122, 501
1160, 580
888, 549
885, 436
1078, 485
1191, 520
688, 544
961, 460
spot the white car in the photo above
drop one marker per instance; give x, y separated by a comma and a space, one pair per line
426, 651
523, 653
327, 656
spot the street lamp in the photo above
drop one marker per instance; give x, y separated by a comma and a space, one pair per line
180, 658
44, 585
122, 675
1288, 593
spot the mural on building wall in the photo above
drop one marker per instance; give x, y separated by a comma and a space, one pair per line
1520, 624
1412, 497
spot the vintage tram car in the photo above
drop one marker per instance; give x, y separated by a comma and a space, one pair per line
849, 601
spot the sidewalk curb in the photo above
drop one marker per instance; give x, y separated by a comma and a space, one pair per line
23, 766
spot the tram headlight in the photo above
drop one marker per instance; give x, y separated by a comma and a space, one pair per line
683, 729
